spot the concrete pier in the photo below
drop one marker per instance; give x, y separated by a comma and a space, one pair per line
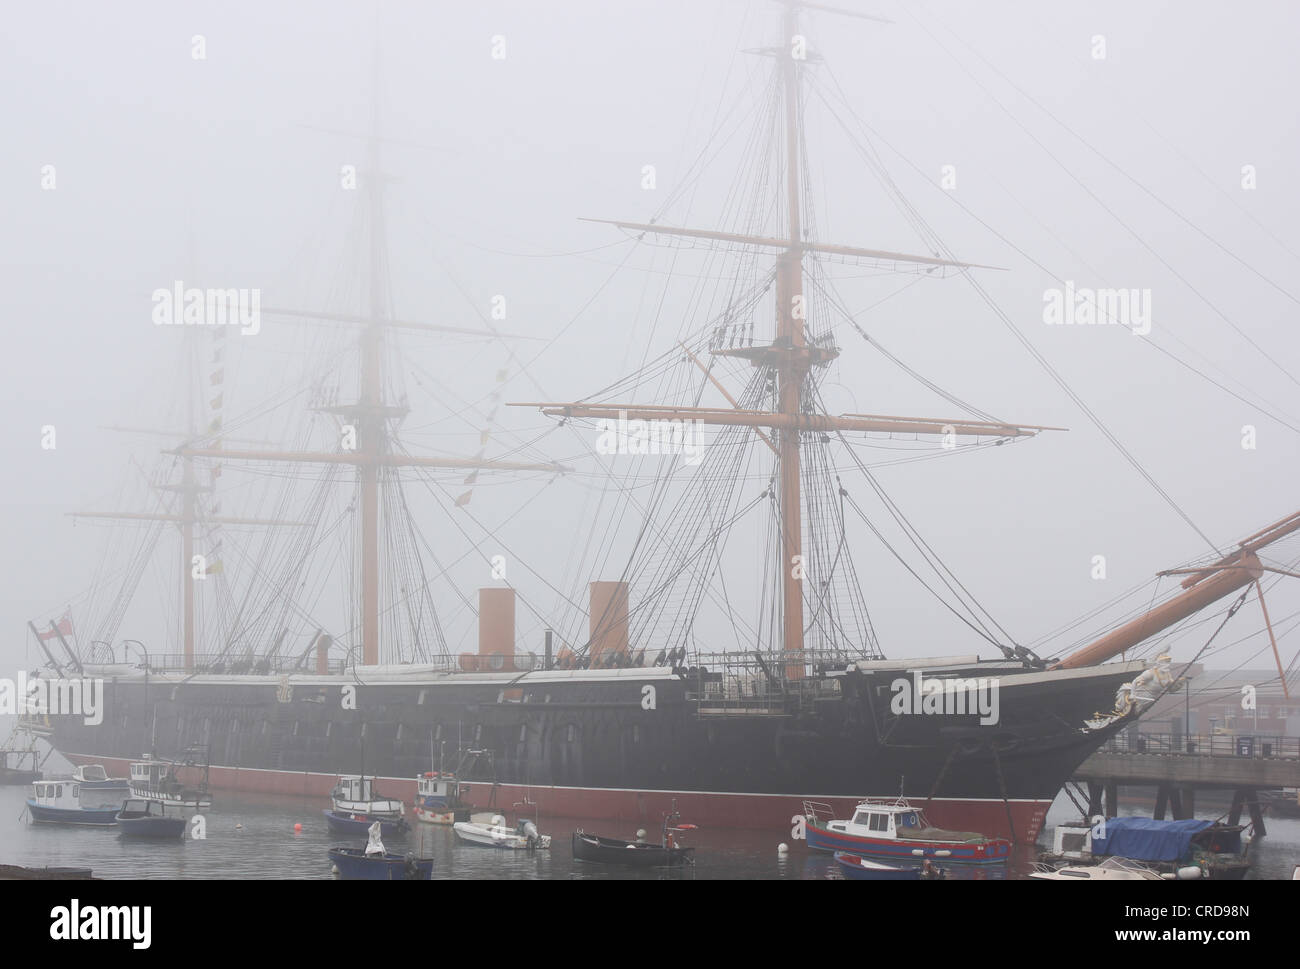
1177, 766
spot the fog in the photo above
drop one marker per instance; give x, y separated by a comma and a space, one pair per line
132, 163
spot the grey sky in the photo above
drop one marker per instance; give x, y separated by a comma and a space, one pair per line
172, 168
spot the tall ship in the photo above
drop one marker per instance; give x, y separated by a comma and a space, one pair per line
634, 708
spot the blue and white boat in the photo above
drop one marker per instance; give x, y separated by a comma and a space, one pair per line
895, 830
354, 822
374, 863
59, 802
146, 818
356, 794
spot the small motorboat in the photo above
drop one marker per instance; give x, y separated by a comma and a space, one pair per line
1112, 869
157, 780
93, 777
857, 868
897, 830
374, 863
437, 799
636, 854
352, 822
145, 818
59, 802
523, 836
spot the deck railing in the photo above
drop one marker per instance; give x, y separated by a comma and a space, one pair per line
1206, 745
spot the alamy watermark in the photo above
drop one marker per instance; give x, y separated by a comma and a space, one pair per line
623, 436
1091, 307
40, 695
945, 696
179, 306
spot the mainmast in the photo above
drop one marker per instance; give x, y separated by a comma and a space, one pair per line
791, 370
370, 418
790, 357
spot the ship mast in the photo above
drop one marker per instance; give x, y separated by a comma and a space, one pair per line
370, 415
790, 357
794, 368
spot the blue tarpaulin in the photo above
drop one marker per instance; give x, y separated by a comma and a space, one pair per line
1143, 839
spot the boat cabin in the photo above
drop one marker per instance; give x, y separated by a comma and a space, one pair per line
57, 794
354, 792
134, 807
90, 773
353, 788
882, 821
150, 774
436, 785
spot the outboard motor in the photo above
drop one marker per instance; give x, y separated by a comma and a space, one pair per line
529, 830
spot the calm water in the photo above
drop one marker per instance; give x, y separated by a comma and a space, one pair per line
253, 837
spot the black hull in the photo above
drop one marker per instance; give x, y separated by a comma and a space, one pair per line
611, 851
631, 733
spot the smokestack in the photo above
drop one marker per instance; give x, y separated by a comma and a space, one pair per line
608, 622
323, 643
496, 629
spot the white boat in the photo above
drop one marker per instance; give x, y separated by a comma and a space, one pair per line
59, 802
523, 836
93, 777
356, 794
1112, 869
157, 780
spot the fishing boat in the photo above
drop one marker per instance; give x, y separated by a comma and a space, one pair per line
59, 802
155, 780
896, 829
627, 714
93, 777
857, 868
149, 818
374, 863
356, 794
437, 799
636, 854
354, 822
497, 834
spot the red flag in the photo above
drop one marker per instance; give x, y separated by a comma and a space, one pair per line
64, 627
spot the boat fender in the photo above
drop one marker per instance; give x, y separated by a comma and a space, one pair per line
1189, 872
